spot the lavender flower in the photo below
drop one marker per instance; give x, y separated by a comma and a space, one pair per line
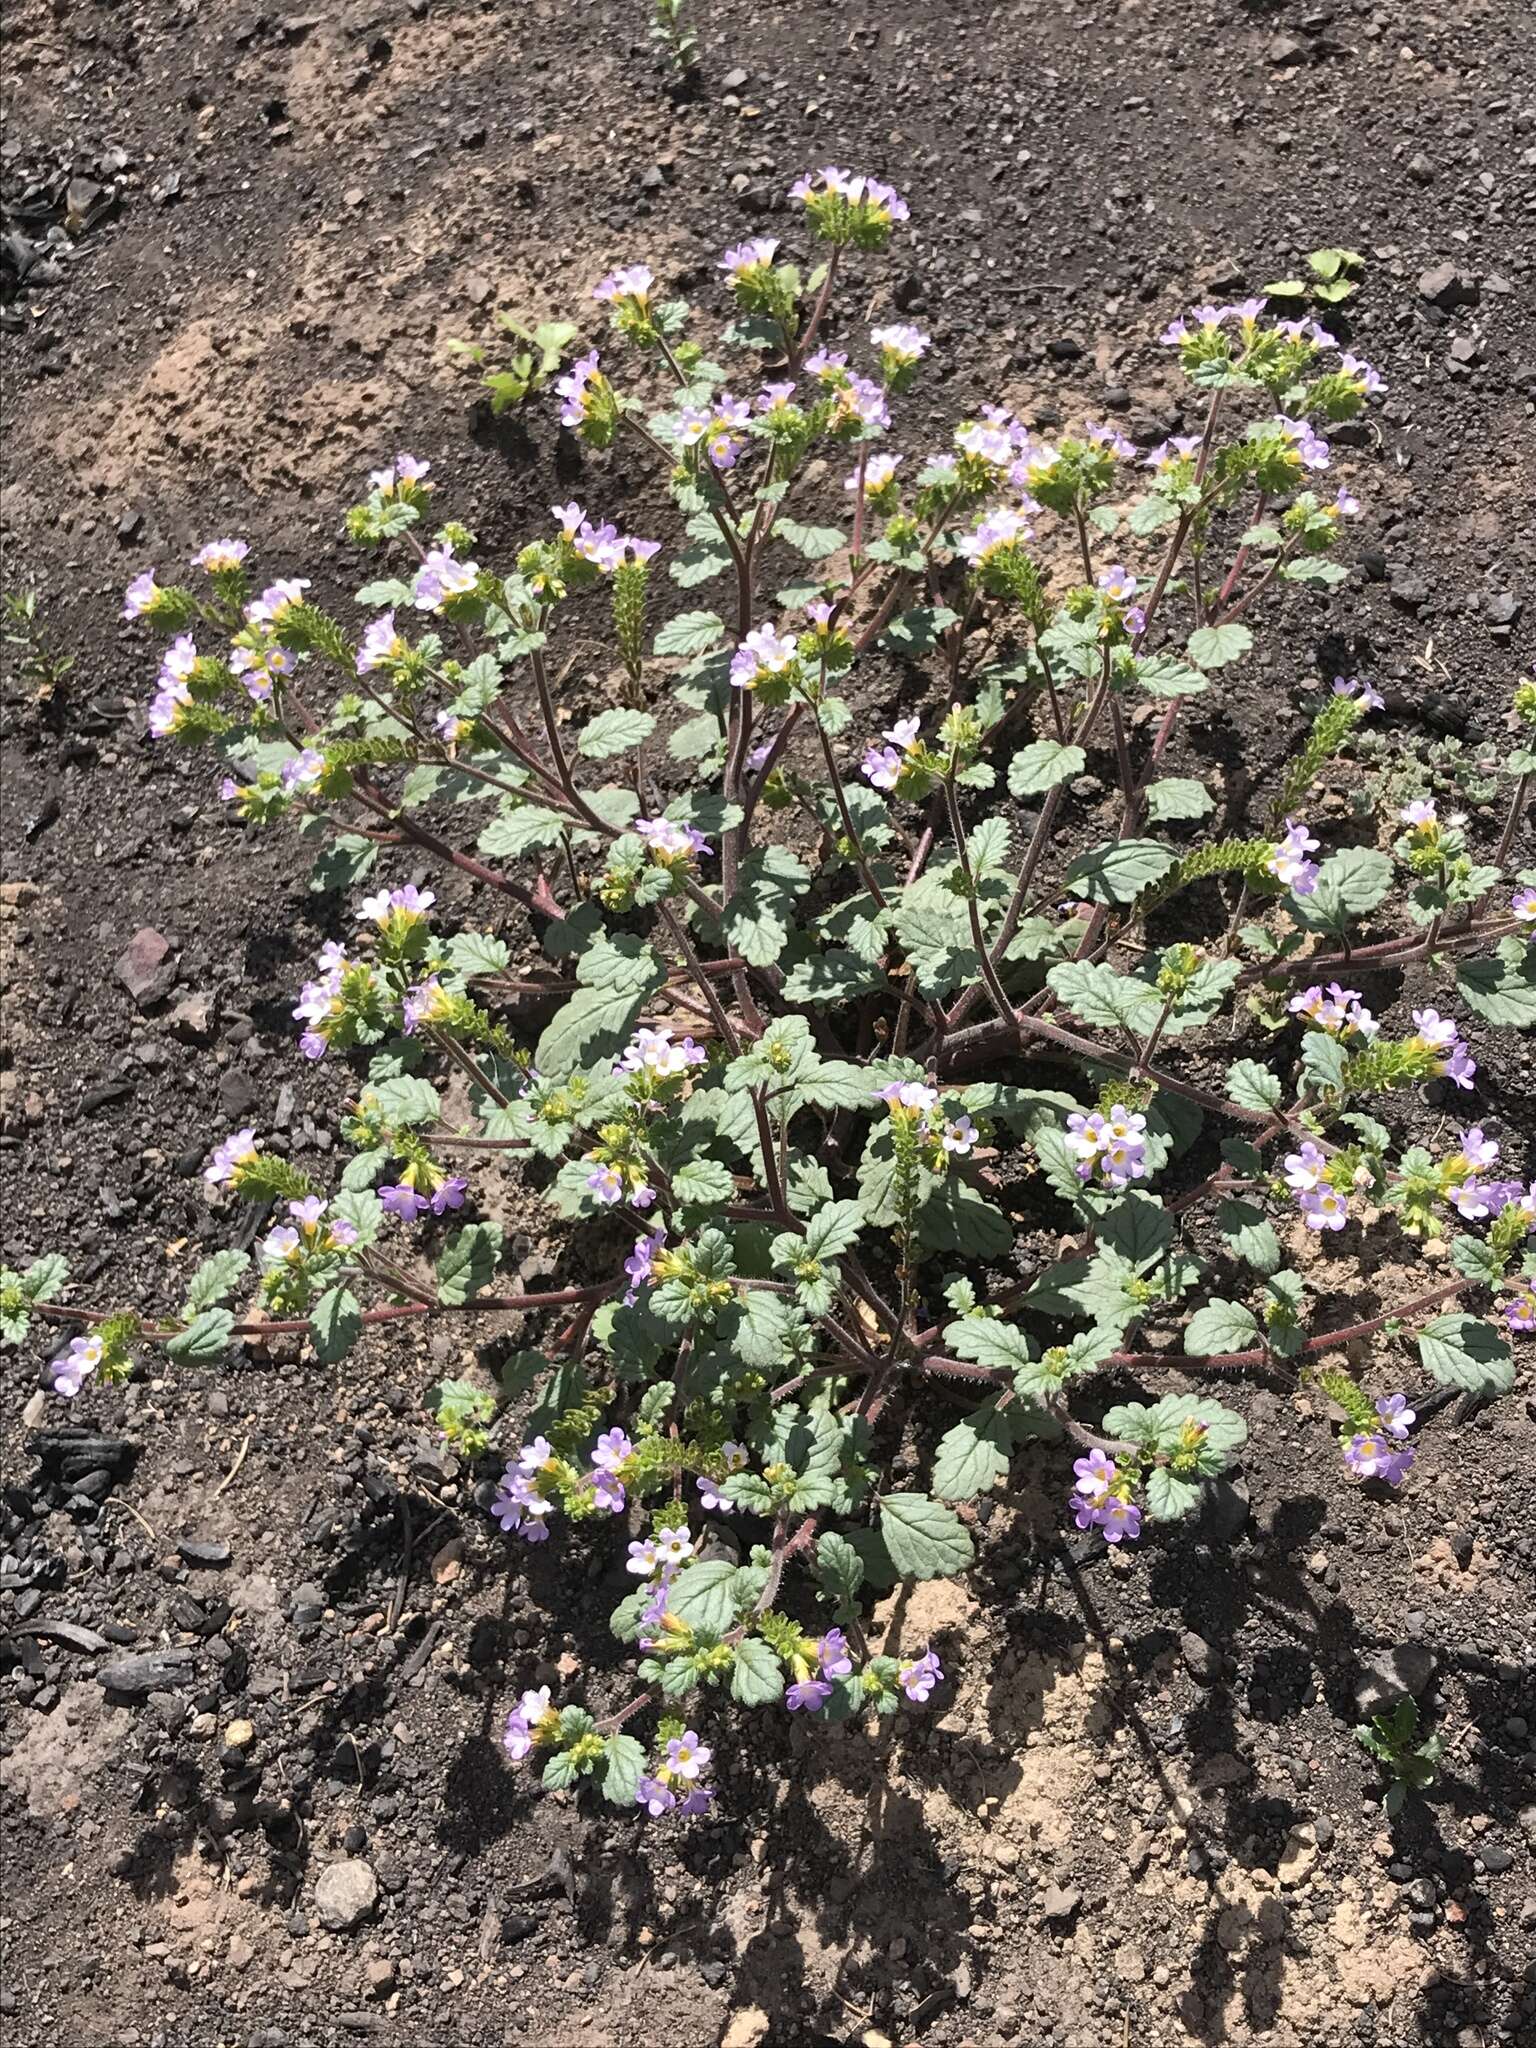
141, 595
998, 531
687, 1757
1362, 692
605, 1184
1476, 1148
517, 1737
1323, 1208
881, 766
918, 1678
1112, 1146
910, 1096
1168, 454
670, 841
407, 903
711, 1499
959, 1137
579, 387
519, 1507
809, 1695
631, 282
381, 644
653, 1054
1306, 1169
404, 1201
1118, 583
303, 771
1519, 1311
442, 576
1111, 439
763, 653
1095, 1474
879, 474
755, 254
613, 1446
1118, 1519
1289, 864
221, 554
1372, 1456
1312, 451
237, 1150
1396, 1417
77, 1365
1523, 905
1367, 380
1420, 814
405, 469
275, 600
638, 1266
449, 1194
655, 1797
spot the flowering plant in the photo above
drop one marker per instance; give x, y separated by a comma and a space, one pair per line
838, 1018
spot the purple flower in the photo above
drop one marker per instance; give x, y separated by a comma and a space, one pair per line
832, 1655
761, 654
1368, 380
1001, 529
386, 903
519, 1506
1523, 905
1312, 451
1476, 1149
687, 1757
1095, 1474
1118, 583
405, 469
755, 254
140, 595
918, 1678
637, 1267
275, 600
573, 388
908, 1095
611, 1449
605, 1184
1519, 1311
1111, 438
1114, 1146
279, 1246
1372, 1456
1420, 813
631, 282
303, 771
879, 473
404, 1201
655, 1797
670, 841
809, 1695
448, 1194
237, 1150
609, 1493
1289, 864
1167, 453
381, 643
1355, 686
902, 343
1396, 1417
1323, 1208
517, 1737
77, 1365
441, 576
1118, 1519
653, 1054
959, 1137
881, 766
221, 554
1306, 1169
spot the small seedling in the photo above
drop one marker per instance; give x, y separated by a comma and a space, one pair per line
1332, 280
530, 369
1410, 1763
671, 29
39, 664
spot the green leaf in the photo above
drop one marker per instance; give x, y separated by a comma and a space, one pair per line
1253, 1086
522, 828
205, 1339
1119, 871
560, 1772
690, 633
757, 1676
360, 1207
1502, 990
706, 1595
1168, 1496
45, 1276
623, 1768
814, 542
1178, 797
214, 1279
702, 1183
614, 732
468, 1261
839, 1569
914, 633
1139, 1228
972, 1456
335, 1324
1164, 675
1215, 646
1249, 1234
478, 953
1463, 1351
1041, 766
832, 1230
618, 973
759, 918
1101, 997
986, 1340
925, 1539
1350, 883
406, 1099
836, 976
1219, 1327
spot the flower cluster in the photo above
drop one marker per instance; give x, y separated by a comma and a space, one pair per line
1109, 1147
1383, 1453
1289, 864
1101, 1499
